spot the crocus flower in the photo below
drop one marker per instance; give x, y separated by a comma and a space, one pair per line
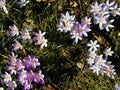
117, 86
27, 85
92, 54
19, 65
39, 35
90, 61
30, 75
108, 25
13, 30
11, 85
101, 21
108, 52
94, 8
108, 4
23, 3
39, 77
3, 5
12, 57
12, 69
86, 20
93, 45
95, 69
7, 77
17, 45
25, 34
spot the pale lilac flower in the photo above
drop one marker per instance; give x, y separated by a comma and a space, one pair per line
3, 5
95, 69
108, 52
93, 45
11, 85
101, 20
25, 34
75, 32
39, 77
7, 77
101, 63
115, 10
39, 35
13, 30
12, 69
16, 46
110, 71
108, 4
117, 86
42, 42
92, 54
108, 25
83, 29
90, 61
23, 3
12, 57
103, 11
67, 17
66, 26
86, 20
94, 8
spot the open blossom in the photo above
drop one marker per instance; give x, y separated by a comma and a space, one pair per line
108, 52
115, 10
39, 77
19, 65
25, 34
101, 21
95, 69
67, 17
94, 8
12, 57
86, 20
7, 77
11, 85
39, 35
93, 45
3, 5
108, 25
12, 69
31, 62
90, 61
109, 5
23, 3
13, 30
17, 45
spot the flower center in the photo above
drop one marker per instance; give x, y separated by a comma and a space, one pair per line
2, 4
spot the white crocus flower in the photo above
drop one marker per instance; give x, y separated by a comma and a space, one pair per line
3, 5
7, 77
108, 52
23, 3
95, 69
93, 45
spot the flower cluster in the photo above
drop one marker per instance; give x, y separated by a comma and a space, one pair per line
76, 29
98, 63
102, 12
25, 35
23, 68
7, 79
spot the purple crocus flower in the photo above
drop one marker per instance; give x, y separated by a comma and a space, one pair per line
22, 77
83, 29
39, 35
13, 30
11, 85
30, 76
19, 65
27, 85
16, 46
12, 69
39, 77
31, 62
25, 34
